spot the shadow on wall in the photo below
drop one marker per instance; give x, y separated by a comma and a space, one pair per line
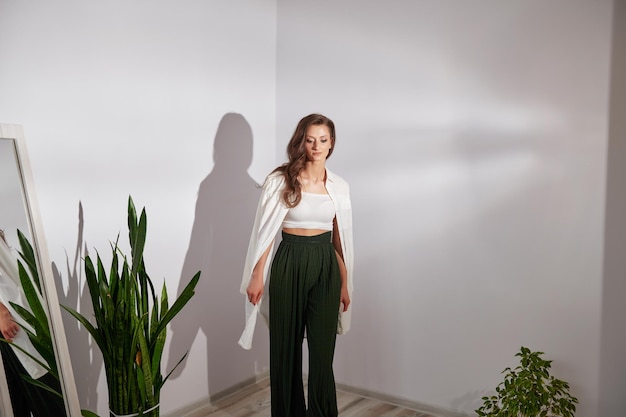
225, 209
224, 215
87, 360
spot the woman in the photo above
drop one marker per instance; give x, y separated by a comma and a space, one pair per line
311, 273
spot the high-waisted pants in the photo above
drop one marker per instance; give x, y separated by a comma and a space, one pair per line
305, 288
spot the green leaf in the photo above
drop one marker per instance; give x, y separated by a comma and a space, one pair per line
40, 384
529, 390
180, 302
174, 368
34, 301
95, 334
28, 255
91, 277
40, 363
130, 321
138, 243
132, 220
26, 315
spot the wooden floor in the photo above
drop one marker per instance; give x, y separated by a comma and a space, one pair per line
254, 401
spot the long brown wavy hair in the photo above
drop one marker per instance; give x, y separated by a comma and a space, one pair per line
296, 152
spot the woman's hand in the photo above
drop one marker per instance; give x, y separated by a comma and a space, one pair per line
344, 298
8, 327
255, 288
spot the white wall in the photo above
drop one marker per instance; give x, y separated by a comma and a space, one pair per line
474, 137
125, 98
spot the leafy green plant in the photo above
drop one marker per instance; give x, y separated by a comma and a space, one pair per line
130, 323
529, 391
36, 317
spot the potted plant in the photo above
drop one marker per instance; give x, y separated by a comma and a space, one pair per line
529, 391
130, 323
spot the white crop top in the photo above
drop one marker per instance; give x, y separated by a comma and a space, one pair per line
315, 211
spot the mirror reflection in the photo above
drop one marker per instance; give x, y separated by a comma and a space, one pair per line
29, 362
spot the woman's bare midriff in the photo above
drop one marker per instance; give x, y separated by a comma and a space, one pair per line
304, 232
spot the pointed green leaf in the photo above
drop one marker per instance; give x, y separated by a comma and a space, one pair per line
28, 255
178, 305
34, 300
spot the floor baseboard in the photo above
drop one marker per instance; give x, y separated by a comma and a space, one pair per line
402, 402
204, 406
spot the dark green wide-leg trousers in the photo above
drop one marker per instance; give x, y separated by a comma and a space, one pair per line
305, 288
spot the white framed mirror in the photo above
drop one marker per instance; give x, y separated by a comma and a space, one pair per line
19, 210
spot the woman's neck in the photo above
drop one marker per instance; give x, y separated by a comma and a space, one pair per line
314, 172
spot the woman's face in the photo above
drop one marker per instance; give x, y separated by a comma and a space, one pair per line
317, 142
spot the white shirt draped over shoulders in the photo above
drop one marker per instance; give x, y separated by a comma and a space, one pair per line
270, 214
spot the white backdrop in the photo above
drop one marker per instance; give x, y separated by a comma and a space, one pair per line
474, 136
125, 98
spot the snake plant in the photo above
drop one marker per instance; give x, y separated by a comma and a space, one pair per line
130, 323
35, 315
